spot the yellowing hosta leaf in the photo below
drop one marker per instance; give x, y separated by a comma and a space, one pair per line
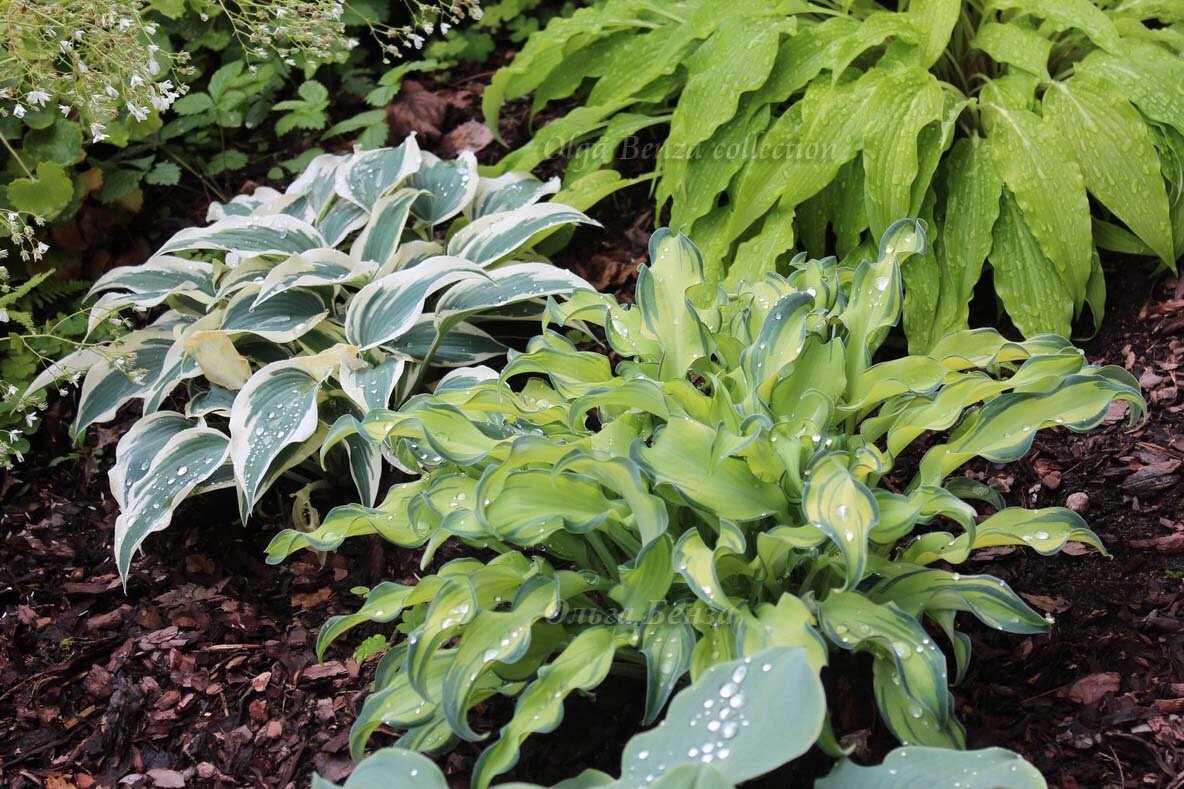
186, 460
219, 360
1114, 149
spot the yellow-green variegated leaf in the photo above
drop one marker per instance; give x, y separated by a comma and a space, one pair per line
248, 236
908, 767
183, 462
371, 175
743, 718
925, 590
446, 186
667, 640
1111, 143
662, 293
845, 510
390, 306
494, 236
581, 666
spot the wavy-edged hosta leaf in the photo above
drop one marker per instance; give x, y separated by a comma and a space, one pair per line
247, 236
508, 192
667, 640
845, 510
281, 318
372, 175
494, 236
311, 193
446, 186
276, 408
662, 293
311, 269
910, 670
744, 718
390, 306
988, 598
1083, 15
908, 767
1045, 531
342, 218
581, 666
1113, 146
378, 243
186, 460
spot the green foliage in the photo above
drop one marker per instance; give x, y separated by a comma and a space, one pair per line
291, 309
721, 490
740, 720
1028, 133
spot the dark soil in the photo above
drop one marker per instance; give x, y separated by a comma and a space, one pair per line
202, 672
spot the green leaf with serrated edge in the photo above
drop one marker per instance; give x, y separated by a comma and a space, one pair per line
44, 195
182, 463
282, 318
1002, 430
776, 689
1028, 284
845, 510
247, 236
661, 290
1111, 143
904, 768
388, 307
378, 243
920, 591
313, 268
493, 236
667, 639
910, 671
446, 186
371, 175
1014, 45
581, 666
1048, 188
971, 208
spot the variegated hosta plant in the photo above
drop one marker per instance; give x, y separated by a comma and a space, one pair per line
290, 310
728, 487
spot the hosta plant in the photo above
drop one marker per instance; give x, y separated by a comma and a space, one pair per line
709, 742
730, 485
1030, 133
290, 310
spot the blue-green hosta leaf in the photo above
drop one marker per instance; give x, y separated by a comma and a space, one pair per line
134, 452
378, 243
123, 371
743, 718
582, 665
186, 460
73, 364
311, 269
667, 640
910, 670
160, 274
508, 284
275, 409
248, 236
1111, 143
311, 193
342, 218
371, 386
372, 175
447, 186
494, 236
281, 318
463, 343
677, 266
905, 768
508, 192
845, 510
389, 307
388, 768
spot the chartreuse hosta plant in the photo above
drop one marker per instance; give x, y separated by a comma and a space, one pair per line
725, 489
290, 310
1029, 132
740, 720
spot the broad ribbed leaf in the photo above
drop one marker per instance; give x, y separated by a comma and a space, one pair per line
905, 768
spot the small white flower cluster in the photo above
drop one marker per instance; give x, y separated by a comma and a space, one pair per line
427, 16
96, 60
20, 234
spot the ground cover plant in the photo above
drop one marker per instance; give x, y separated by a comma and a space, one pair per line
720, 490
290, 309
1029, 133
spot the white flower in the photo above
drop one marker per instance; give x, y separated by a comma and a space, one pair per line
3, 315
37, 98
19, 110
98, 132
65, 109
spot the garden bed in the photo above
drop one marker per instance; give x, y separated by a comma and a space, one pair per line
203, 672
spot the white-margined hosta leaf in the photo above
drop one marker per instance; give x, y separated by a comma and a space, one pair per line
186, 460
378, 243
371, 386
505, 285
494, 236
369, 176
507, 193
123, 372
462, 344
242, 205
388, 307
313, 268
447, 186
247, 236
137, 448
845, 510
281, 318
